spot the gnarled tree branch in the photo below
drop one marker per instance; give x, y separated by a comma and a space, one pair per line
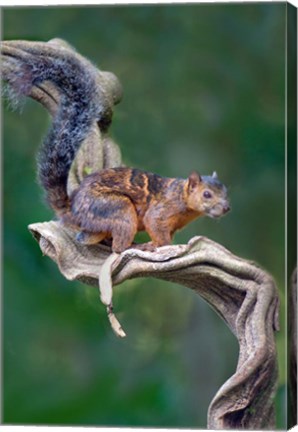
243, 294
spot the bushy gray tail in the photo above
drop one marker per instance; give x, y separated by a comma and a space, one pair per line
78, 107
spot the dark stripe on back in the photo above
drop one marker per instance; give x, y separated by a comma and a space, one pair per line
154, 183
137, 178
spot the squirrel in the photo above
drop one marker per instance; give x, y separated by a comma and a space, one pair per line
119, 202
114, 203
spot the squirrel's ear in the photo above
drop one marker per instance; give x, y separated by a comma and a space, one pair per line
194, 180
214, 175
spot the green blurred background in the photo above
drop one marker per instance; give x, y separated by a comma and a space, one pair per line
203, 89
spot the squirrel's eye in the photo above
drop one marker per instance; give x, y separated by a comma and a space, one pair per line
207, 194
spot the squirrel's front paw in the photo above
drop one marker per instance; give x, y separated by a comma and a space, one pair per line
149, 246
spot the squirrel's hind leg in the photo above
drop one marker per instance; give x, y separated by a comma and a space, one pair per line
124, 230
102, 215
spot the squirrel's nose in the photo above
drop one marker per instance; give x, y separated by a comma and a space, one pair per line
226, 208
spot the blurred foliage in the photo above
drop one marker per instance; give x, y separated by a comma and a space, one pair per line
203, 89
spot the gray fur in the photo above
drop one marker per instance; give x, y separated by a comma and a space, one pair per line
79, 107
214, 183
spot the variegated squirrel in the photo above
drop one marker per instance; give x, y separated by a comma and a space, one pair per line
113, 203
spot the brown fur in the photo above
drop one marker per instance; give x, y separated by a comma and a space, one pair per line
119, 202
